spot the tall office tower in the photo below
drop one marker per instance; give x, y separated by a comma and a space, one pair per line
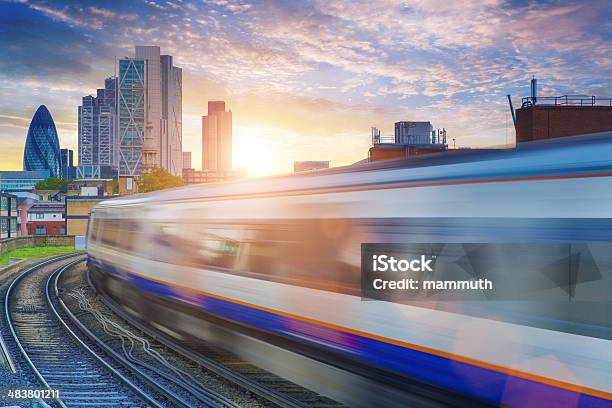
152, 132
186, 160
98, 155
131, 115
42, 151
172, 113
67, 160
217, 138
163, 134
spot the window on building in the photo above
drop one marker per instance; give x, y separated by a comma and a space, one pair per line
40, 216
40, 230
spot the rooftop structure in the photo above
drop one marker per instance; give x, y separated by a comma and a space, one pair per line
549, 117
409, 139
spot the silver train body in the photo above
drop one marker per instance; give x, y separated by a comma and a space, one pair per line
277, 260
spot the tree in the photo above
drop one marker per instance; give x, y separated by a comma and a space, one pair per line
158, 179
52, 183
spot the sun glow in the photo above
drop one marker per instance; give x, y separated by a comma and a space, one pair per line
263, 151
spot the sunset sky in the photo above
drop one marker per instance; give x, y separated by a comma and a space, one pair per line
307, 79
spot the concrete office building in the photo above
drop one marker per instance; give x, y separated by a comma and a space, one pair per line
171, 152
97, 116
150, 56
163, 86
186, 160
217, 138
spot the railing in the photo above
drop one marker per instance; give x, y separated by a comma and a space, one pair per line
566, 100
383, 139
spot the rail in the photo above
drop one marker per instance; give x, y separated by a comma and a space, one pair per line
46, 363
206, 397
271, 395
5, 354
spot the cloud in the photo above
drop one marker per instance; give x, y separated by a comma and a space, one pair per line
317, 70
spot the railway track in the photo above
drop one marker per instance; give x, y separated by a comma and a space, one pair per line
130, 349
80, 370
75, 373
263, 383
267, 386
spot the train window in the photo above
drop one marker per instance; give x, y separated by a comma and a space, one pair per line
110, 232
306, 253
129, 235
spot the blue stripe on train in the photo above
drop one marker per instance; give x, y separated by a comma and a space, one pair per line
489, 385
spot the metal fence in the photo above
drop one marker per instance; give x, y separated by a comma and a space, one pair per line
567, 100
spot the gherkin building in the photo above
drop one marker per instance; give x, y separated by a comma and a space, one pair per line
42, 150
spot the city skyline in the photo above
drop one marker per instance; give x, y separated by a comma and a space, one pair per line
306, 82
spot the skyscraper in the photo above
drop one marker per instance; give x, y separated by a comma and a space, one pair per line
172, 114
42, 150
131, 115
217, 138
135, 122
152, 131
98, 155
186, 160
67, 161
162, 146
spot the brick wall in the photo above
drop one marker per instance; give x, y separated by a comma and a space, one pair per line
52, 227
26, 242
549, 122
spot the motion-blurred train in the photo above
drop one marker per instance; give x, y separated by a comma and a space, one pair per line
270, 268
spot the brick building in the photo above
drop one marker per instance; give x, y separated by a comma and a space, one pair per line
46, 218
542, 121
78, 210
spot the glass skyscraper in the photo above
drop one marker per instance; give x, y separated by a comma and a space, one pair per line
42, 149
98, 155
134, 124
131, 115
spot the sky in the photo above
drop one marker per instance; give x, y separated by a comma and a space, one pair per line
306, 80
